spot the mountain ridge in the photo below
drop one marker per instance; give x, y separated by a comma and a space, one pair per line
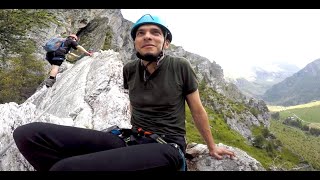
302, 87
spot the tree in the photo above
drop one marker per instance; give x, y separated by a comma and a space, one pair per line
258, 141
305, 127
20, 72
21, 79
275, 115
314, 131
265, 132
14, 23
270, 149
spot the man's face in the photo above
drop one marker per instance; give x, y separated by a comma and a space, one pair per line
149, 40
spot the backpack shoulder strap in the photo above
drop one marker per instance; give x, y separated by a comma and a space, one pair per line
62, 44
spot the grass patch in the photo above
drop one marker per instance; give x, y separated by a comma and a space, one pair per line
304, 145
282, 108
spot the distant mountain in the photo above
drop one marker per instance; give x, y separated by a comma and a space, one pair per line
251, 88
302, 87
263, 77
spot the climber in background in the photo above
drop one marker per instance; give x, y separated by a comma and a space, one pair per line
56, 58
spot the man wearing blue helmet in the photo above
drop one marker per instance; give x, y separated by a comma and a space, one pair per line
158, 86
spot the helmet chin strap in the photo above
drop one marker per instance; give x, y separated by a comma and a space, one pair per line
150, 57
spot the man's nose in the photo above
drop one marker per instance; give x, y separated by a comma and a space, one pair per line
147, 35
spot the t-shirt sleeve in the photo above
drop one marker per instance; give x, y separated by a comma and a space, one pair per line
74, 45
190, 81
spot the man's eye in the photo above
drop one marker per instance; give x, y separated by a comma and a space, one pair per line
156, 33
139, 33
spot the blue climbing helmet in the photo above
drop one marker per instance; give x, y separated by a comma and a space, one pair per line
149, 19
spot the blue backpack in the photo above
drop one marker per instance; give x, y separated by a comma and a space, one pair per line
54, 44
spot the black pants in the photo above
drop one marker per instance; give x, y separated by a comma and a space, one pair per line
53, 59
51, 147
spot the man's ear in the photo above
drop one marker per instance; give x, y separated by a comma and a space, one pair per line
166, 44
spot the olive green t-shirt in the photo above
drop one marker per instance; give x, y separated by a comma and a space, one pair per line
158, 104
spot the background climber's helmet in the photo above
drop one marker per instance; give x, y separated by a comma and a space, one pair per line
74, 36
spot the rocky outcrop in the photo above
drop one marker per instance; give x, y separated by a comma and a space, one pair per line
200, 161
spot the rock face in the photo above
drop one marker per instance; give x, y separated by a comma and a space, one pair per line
89, 94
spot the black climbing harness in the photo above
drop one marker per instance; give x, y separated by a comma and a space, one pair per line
139, 136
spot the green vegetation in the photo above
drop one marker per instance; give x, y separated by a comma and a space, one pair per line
282, 108
20, 80
308, 114
229, 108
303, 144
304, 117
20, 72
237, 106
107, 41
297, 129
14, 24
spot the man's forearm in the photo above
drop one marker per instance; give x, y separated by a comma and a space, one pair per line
74, 55
83, 50
202, 124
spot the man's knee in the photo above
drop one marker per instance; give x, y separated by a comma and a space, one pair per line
26, 130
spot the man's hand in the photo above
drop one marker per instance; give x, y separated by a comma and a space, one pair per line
90, 54
218, 153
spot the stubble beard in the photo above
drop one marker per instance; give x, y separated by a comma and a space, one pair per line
148, 56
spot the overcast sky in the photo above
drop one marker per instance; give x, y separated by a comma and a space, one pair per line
243, 38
